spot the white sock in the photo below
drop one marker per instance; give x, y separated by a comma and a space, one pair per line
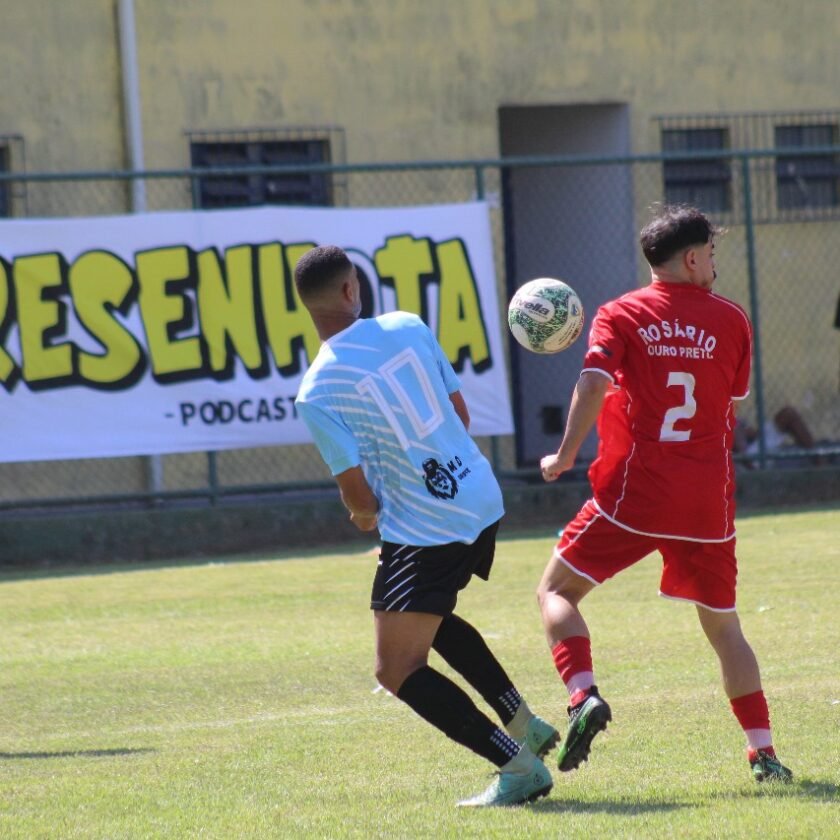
758, 739
518, 726
521, 763
581, 681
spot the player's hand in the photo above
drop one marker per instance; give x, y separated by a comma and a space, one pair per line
553, 466
364, 523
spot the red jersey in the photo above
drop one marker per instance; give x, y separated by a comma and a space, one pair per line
677, 355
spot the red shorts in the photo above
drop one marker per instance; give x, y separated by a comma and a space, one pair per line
701, 572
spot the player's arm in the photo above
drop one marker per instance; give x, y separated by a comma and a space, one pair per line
460, 406
587, 399
358, 498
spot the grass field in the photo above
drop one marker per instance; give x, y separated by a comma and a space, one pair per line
236, 699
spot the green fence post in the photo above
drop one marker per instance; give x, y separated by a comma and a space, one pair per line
752, 275
479, 182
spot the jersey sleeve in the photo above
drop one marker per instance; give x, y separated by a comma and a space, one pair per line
447, 372
741, 383
606, 346
334, 440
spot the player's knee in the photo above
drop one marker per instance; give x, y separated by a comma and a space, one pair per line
386, 677
545, 593
564, 586
722, 629
391, 674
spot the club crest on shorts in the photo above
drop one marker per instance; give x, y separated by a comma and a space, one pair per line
439, 481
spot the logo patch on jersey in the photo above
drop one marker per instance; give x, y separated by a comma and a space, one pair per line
439, 481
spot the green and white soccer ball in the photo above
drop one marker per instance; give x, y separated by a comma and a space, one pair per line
545, 315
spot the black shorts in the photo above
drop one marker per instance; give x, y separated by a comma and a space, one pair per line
415, 578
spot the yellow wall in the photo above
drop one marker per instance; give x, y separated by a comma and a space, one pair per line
405, 79
59, 67
410, 79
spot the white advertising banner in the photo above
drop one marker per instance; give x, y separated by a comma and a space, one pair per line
178, 332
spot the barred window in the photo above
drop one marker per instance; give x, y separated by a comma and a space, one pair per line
702, 183
243, 190
806, 181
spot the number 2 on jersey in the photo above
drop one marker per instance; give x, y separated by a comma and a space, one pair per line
680, 412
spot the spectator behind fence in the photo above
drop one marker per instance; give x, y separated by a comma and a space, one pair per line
786, 431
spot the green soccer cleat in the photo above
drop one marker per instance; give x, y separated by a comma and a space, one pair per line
513, 788
586, 720
541, 736
767, 768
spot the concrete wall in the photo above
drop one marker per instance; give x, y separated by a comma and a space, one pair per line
61, 84
72, 538
406, 80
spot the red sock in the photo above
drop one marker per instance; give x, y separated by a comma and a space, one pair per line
754, 717
751, 711
571, 656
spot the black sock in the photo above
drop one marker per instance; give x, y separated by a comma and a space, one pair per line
439, 701
462, 648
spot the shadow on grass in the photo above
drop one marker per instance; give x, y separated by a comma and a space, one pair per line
7, 756
626, 808
57, 569
798, 789
817, 790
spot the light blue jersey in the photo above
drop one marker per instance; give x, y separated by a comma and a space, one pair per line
377, 395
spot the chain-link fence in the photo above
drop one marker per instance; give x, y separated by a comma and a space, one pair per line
569, 217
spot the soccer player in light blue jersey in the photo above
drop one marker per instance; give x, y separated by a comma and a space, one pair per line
384, 407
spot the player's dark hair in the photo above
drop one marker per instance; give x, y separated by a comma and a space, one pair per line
317, 269
674, 228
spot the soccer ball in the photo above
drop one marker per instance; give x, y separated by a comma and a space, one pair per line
545, 315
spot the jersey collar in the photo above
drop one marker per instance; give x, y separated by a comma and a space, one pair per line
345, 332
687, 288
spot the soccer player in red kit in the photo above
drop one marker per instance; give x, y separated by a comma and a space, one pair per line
662, 369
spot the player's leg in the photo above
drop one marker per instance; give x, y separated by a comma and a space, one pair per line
742, 684
591, 550
559, 595
705, 574
414, 589
739, 667
580, 561
463, 648
403, 640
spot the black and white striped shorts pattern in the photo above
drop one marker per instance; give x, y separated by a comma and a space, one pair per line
399, 578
